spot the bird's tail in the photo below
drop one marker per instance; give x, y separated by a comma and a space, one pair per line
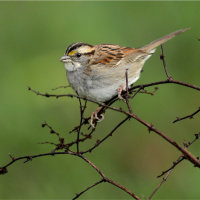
160, 41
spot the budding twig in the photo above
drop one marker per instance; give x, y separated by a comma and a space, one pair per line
189, 116
61, 87
162, 57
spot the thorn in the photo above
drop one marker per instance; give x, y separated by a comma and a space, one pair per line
28, 159
185, 144
3, 170
197, 135
174, 163
11, 157
170, 79
151, 128
43, 125
97, 142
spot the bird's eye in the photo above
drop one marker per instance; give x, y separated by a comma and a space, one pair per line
78, 55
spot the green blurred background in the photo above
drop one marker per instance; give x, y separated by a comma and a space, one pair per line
33, 36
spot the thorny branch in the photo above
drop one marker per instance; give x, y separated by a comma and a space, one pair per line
150, 127
83, 121
81, 118
127, 94
162, 57
189, 116
61, 87
181, 158
77, 195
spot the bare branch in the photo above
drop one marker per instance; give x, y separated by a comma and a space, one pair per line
108, 180
162, 57
110, 134
182, 157
77, 195
187, 154
81, 118
141, 87
127, 101
61, 87
189, 116
164, 179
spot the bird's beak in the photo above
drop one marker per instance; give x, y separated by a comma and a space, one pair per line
65, 59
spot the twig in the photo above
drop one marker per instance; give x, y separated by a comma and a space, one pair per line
110, 134
108, 180
164, 179
88, 136
181, 158
127, 101
77, 195
116, 97
188, 155
162, 57
52, 131
61, 87
47, 143
146, 92
111, 101
189, 116
141, 87
81, 118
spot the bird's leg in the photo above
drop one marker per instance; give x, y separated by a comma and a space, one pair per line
119, 91
94, 115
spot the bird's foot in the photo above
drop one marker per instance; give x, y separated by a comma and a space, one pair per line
119, 92
95, 115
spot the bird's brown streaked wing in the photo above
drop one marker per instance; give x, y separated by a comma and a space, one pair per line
133, 55
107, 55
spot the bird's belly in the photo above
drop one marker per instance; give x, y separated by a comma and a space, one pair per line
103, 94
100, 90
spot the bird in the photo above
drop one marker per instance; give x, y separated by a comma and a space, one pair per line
97, 72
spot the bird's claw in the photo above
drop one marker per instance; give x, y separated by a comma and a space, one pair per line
119, 92
94, 115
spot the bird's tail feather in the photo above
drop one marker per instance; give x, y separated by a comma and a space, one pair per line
160, 41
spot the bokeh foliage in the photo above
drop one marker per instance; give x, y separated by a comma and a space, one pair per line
33, 36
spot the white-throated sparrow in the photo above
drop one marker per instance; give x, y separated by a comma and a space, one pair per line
98, 71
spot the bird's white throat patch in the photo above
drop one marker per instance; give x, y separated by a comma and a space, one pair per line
69, 66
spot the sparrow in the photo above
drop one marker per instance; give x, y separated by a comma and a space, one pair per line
97, 72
